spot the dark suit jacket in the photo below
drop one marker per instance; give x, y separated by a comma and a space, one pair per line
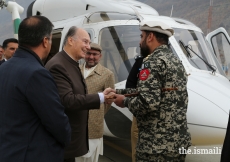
72, 90
133, 75
2, 61
225, 156
33, 126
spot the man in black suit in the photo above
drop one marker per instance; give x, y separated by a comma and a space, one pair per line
1, 53
132, 83
9, 47
225, 157
33, 125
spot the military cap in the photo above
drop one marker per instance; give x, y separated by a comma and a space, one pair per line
95, 46
157, 26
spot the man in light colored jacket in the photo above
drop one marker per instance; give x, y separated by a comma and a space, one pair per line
97, 79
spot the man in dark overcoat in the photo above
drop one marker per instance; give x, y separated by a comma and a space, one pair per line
33, 125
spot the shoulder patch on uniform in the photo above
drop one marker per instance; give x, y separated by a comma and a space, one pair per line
147, 65
144, 74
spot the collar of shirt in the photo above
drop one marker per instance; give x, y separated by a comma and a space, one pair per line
156, 51
71, 56
87, 71
31, 52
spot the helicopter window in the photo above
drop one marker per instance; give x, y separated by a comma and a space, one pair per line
119, 46
197, 48
107, 16
91, 34
221, 49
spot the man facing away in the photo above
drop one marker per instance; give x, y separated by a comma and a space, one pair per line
97, 79
161, 104
9, 47
72, 89
33, 125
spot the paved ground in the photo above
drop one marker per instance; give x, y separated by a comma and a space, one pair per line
116, 150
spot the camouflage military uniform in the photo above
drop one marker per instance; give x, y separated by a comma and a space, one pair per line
161, 106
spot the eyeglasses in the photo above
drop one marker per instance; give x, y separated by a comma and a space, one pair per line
94, 54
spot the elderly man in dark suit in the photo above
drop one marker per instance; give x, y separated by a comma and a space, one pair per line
72, 89
33, 125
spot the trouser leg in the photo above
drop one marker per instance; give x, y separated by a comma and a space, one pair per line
134, 137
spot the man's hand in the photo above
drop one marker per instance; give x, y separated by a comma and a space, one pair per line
119, 100
110, 98
108, 90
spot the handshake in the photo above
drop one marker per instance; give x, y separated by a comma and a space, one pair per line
111, 96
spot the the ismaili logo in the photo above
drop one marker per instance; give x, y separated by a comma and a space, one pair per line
214, 150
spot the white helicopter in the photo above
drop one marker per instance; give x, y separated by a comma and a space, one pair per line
114, 24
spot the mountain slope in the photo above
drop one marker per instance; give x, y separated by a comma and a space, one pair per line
196, 11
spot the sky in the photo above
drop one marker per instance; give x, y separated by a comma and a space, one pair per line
6, 23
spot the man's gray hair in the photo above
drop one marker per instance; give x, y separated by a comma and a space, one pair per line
71, 32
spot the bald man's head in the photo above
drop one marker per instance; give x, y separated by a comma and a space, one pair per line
33, 29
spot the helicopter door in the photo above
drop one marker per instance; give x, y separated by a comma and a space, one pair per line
56, 40
220, 43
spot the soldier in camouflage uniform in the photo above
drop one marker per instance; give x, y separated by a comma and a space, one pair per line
161, 104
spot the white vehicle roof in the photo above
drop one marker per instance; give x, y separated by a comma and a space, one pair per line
70, 8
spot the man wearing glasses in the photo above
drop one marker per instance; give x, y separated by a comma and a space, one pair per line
97, 78
73, 92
